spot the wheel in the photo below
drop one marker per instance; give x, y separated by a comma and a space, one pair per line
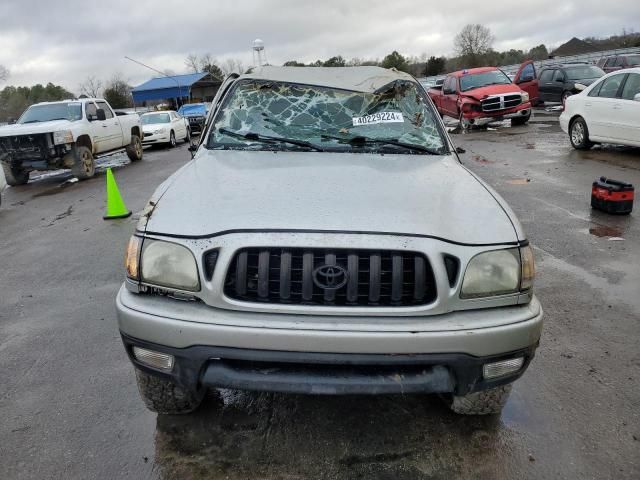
464, 123
579, 134
566, 94
15, 175
520, 120
166, 397
84, 166
484, 402
134, 149
187, 138
172, 139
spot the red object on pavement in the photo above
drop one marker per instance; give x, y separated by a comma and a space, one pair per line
612, 196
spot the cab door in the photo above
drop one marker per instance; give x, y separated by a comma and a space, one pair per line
450, 96
526, 79
114, 137
545, 85
99, 134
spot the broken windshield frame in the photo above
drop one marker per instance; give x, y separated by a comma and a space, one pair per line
324, 118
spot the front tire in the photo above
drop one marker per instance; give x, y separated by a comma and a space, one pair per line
166, 397
520, 120
579, 134
134, 149
84, 165
464, 123
14, 175
484, 402
172, 139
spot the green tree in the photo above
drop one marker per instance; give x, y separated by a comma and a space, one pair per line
118, 93
538, 53
395, 60
435, 66
335, 62
293, 63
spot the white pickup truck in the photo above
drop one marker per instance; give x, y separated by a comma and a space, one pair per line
66, 134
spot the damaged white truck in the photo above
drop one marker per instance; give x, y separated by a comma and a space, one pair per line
326, 239
66, 134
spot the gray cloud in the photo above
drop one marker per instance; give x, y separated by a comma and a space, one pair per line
63, 42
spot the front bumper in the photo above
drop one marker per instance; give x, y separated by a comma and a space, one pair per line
483, 118
211, 348
150, 138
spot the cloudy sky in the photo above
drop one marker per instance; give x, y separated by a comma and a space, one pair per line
64, 42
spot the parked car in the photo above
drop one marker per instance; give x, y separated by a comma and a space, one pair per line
165, 127
196, 114
481, 95
557, 82
67, 134
326, 239
619, 62
606, 112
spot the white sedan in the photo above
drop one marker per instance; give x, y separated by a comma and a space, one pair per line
607, 111
166, 127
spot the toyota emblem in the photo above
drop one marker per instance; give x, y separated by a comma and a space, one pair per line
330, 277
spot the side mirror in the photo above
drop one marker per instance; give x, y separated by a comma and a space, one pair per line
11, 121
528, 78
636, 97
448, 91
101, 115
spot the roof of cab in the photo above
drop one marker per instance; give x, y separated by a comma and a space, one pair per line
359, 79
470, 71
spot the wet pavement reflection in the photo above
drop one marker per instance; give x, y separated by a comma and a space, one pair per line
259, 435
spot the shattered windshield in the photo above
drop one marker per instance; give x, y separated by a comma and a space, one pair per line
265, 115
477, 80
53, 111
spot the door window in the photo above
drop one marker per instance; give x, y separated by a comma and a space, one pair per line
610, 86
558, 76
619, 62
546, 75
107, 110
610, 62
449, 85
631, 87
91, 110
528, 73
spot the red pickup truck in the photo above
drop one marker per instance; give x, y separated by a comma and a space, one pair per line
480, 95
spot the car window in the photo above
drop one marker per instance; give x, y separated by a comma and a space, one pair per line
152, 118
52, 111
558, 76
105, 107
478, 80
546, 75
619, 62
633, 60
584, 71
528, 71
610, 62
91, 110
610, 86
326, 117
449, 84
631, 87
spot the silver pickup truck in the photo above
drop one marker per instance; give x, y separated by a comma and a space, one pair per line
326, 239
66, 134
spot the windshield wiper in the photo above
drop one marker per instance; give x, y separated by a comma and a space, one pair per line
362, 140
30, 121
269, 139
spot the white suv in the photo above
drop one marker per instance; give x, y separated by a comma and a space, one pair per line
326, 239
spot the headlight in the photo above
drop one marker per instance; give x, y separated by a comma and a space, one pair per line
499, 272
62, 137
168, 265
525, 97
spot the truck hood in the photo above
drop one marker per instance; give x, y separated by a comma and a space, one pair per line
35, 128
226, 190
483, 92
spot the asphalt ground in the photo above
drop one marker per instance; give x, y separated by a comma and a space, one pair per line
69, 406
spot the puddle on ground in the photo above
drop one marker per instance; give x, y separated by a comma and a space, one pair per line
605, 231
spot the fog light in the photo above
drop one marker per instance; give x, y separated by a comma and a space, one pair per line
504, 367
163, 361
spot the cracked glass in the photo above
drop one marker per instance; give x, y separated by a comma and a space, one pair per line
325, 118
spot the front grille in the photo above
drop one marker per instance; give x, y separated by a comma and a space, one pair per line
27, 146
334, 277
148, 134
501, 102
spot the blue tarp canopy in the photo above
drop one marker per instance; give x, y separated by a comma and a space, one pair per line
174, 86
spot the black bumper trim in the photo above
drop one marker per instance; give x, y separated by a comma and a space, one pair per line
327, 373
